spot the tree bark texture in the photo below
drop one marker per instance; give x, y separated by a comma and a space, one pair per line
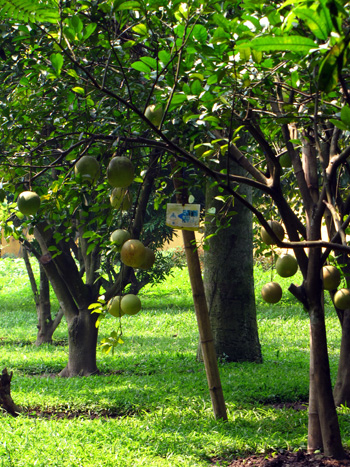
341, 390
82, 342
229, 279
6, 401
321, 395
46, 325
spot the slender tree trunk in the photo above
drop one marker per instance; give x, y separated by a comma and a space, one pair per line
82, 342
321, 386
228, 276
314, 441
46, 325
341, 390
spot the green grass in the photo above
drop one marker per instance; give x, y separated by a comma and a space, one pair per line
151, 406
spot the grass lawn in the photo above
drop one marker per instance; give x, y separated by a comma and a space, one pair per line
151, 405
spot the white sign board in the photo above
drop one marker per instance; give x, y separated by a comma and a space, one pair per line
183, 216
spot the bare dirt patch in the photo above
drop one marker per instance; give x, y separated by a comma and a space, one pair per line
287, 458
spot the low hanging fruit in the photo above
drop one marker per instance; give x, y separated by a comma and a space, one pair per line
121, 199
278, 230
88, 168
119, 237
154, 113
28, 203
149, 259
331, 277
132, 253
120, 172
130, 304
113, 306
271, 292
286, 266
342, 299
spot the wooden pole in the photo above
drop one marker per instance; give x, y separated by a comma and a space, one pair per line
202, 313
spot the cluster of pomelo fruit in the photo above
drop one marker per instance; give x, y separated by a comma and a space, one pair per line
286, 266
120, 174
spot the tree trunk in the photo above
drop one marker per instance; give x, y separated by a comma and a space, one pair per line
321, 395
46, 325
82, 341
6, 401
327, 414
229, 279
341, 390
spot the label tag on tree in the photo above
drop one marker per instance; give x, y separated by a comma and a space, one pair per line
183, 216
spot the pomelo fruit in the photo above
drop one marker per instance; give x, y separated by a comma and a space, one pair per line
286, 266
88, 168
154, 113
277, 228
28, 203
331, 277
132, 253
121, 198
271, 292
149, 259
130, 304
113, 306
285, 161
120, 172
119, 237
342, 299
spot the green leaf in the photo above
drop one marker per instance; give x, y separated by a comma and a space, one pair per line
315, 22
330, 66
178, 98
339, 124
291, 43
90, 29
76, 23
150, 61
196, 87
200, 33
220, 36
140, 29
131, 5
140, 66
164, 57
345, 115
57, 62
78, 90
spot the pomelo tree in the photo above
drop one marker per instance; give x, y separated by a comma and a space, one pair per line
248, 83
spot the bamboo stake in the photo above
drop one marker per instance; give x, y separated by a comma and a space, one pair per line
202, 313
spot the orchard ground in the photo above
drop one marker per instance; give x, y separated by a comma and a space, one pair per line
150, 405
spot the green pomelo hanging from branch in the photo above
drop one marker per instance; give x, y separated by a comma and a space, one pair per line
119, 237
132, 253
28, 203
286, 266
130, 304
278, 230
88, 168
271, 292
331, 277
120, 172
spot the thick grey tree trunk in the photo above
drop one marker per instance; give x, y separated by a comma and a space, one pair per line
229, 280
